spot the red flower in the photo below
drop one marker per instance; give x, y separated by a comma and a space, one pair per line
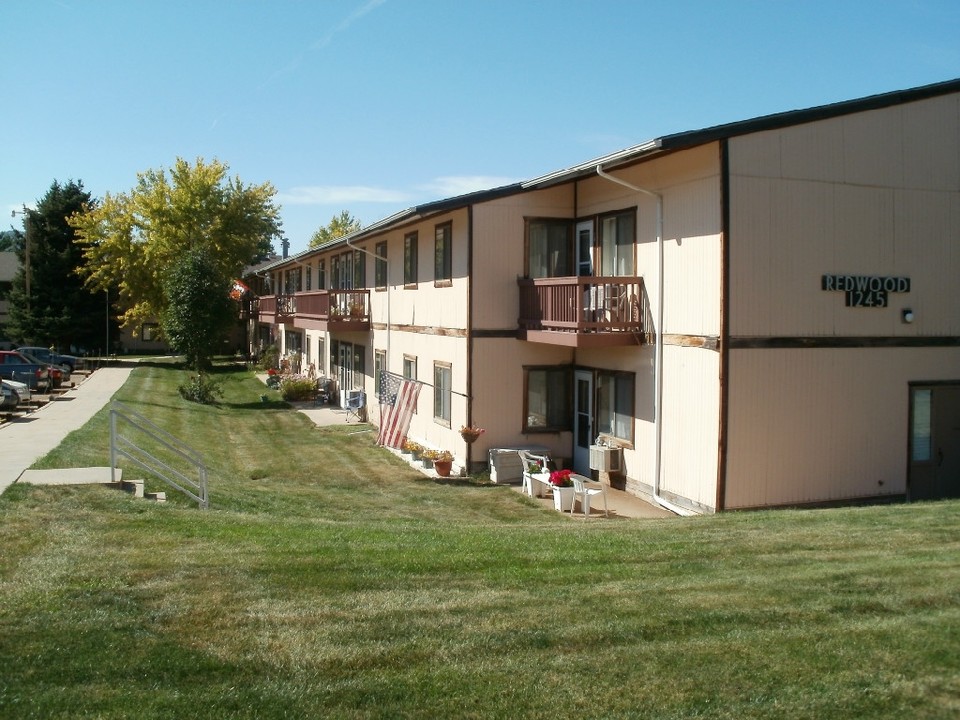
561, 478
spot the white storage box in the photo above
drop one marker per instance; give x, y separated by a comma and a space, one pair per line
505, 466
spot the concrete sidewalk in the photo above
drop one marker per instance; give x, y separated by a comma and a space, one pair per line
26, 439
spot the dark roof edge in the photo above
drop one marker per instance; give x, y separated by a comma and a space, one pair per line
807, 115
692, 138
676, 141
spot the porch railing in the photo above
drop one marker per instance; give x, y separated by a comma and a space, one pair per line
584, 305
344, 306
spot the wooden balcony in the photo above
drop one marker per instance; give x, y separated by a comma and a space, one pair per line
277, 308
584, 311
332, 310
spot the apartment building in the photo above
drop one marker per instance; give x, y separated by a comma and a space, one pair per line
758, 314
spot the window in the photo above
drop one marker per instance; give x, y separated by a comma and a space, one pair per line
334, 272
443, 253
549, 248
920, 434
614, 411
442, 376
379, 367
321, 274
548, 399
359, 269
292, 281
380, 266
309, 277
410, 369
617, 236
410, 259
148, 332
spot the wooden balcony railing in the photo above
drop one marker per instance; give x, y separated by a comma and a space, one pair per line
584, 311
338, 309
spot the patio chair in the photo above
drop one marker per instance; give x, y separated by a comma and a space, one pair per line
357, 405
584, 489
536, 472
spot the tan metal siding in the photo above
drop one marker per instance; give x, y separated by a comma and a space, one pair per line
691, 411
819, 425
498, 251
870, 194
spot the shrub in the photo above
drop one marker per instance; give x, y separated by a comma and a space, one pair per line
201, 389
297, 388
270, 358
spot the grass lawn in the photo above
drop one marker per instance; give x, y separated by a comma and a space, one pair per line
328, 579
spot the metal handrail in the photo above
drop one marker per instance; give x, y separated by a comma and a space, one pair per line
125, 447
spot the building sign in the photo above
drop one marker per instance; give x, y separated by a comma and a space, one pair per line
865, 290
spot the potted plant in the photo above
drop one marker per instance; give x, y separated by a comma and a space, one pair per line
470, 433
562, 490
443, 463
429, 457
413, 448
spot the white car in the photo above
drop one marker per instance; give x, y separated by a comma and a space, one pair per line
22, 390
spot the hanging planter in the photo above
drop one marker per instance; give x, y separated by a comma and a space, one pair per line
470, 433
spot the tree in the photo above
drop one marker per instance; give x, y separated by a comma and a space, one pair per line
199, 310
9, 239
49, 304
135, 241
339, 225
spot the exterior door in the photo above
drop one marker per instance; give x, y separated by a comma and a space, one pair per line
934, 442
345, 373
582, 421
585, 248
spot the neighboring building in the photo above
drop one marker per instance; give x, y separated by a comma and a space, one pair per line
8, 270
760, 314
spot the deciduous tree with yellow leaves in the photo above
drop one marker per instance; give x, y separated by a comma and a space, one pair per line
133, 241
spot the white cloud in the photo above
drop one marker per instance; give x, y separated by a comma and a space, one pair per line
454, 185
341, 195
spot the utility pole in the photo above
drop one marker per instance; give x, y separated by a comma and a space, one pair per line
26, 252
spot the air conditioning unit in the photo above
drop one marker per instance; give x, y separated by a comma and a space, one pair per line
606, 459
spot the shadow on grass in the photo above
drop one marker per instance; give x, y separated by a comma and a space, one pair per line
259, 405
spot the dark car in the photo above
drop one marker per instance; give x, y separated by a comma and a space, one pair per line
54, 358
58, 375
15, 366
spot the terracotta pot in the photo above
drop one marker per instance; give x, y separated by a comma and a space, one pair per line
443, 467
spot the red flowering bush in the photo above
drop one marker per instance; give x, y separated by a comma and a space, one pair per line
561, 478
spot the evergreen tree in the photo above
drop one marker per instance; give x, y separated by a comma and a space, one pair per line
49, 304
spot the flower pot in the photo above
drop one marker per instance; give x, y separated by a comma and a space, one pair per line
563, 499
443, 467
469, 437
427, 463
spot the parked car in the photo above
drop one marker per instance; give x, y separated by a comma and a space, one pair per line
9, 399
22, 389
15, 366
54, 358
58, 375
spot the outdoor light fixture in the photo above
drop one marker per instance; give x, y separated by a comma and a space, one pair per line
907, 315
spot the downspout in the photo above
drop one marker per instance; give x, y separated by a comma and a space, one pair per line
658, 346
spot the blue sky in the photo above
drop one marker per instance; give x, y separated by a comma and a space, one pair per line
373, 106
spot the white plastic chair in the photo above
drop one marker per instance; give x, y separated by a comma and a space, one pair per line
534, 481
584, 489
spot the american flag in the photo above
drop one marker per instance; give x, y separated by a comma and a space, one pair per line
398, 399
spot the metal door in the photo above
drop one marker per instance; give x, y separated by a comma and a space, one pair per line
582, 421
934, 442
